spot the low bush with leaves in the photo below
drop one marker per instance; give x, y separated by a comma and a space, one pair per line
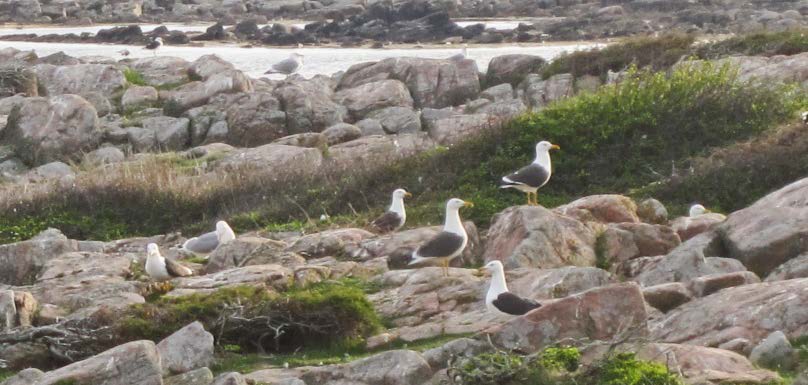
322, 315
134, 77
557, 366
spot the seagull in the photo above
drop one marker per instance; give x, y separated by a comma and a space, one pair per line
162, 269
395, 216
154, 45
804, 117
462, 55
447, 244
206, 243
697, 210
124, 52
287, 66
531, 177
499, 299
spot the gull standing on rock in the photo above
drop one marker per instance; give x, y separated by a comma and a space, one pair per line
395, 217
154, 45
205, 244
697, 210
499, 299
161, 268
287, 66
530, 178
447, 244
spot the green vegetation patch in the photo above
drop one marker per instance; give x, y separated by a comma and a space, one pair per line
558, 366
329, 314
756, 44
134, 77
656, 53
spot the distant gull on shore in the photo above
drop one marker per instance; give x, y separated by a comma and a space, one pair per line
395, 216
804, 117
447, 244
161, 268
154, 45
206, 243
124, 52
464, 53
530, 178
287, 66
499, 299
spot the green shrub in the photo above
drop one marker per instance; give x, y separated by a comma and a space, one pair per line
757, 44
134, 77
499, 368
626, 369
557, 366
331, 314
657, 53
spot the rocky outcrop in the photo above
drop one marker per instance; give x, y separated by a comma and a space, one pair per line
770, 232
49, 129
132, 363
598, 314
432, 83
750, 311
187, 349
365, 98
396, 367
512, 69
523, 236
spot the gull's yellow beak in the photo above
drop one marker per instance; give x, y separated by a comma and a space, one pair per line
555, 147
408, 195
468, 204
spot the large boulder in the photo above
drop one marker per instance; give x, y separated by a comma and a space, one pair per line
254, 119
132, 363
432, 83
80, 79
794, 268
455, 128
774, 352
208, 65
397, 120
198, 93
396, 367
368, 97
602, 208
751, 312
695, 258
527, 236
170, 134
49, 129
247, 251
771, 231
138, 97
378, 150
537, 92
309, 105
598, 314
187, 349
162, 70
21, 262
512, 68
282, 160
